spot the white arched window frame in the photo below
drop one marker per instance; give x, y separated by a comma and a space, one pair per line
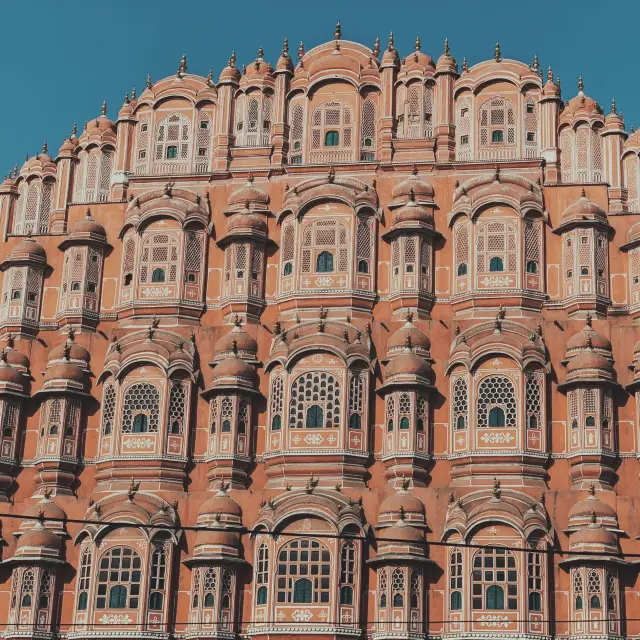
496, 245
204, 136
581, 153
296, 129
530, 123
497, 129
368, 125
463, 130
332, 133
254, 116
172, 151
93, 175
33, 207
631, 166
143, 145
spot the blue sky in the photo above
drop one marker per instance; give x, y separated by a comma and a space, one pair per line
61, 59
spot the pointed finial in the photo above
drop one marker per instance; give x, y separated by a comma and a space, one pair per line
583, 193
337, 34
134, 94
496, 488
390, 46
588, 320
550, 74
407, 343
559, 83
285, 48
126, 98
613, 106
592, 490
412, 195
376, 47
580, 84
15, 171
234, 347
446, 46
44, 147
260, 53
497, 53
182, 69
417, 44
465, 66
103, 111
536, 63
232, 59
594, 520
149, 85
301, 50
210, 78
74, 130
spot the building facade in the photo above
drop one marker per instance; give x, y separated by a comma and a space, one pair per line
283, 353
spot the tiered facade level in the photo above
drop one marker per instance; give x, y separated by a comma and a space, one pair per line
327, 313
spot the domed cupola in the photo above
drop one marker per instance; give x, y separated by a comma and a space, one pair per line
422, 190
417, 63
42, 164
230, 74
47, 512
284, 65
402, 504
419, 340
587, 338
406, 390
231, 397
582, 512
446, 62
258, 72
100, 130
590, 386
390, 56
581, 106
87, 231
594, 538
239, 339
582, 211
551, 90
248, 196
26, 252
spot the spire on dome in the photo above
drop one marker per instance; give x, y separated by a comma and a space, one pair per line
44, 147
613, 106
301, 50
103, 111
580, 84
550, 74
446, 46
232, 59
497, 54
260, 53
126, 98
536, 64
376, 47
149, 84
465, 67
390, 45
182, 69
134, 94
417, 44
210, 78
285, 48
74, 130
337, 34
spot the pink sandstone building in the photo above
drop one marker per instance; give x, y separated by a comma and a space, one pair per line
284, 353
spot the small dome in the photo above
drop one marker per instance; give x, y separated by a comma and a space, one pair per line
16, 358
234, 368
244, 343
259, 68
45, 508
66, 148
66, 371
422, 190
412, 212
39, 537
28, 248
589, 505
633, 141
580, 104
586, 338
634, 232
249, 196
594, 534
40, 163
402, 532
583, 209
407, 364
418, 338
221, 538
230, 73
69, 350
589, 359
246, 221
402, 501
88, 225
284, 63
10, 374
220, 503
390, 56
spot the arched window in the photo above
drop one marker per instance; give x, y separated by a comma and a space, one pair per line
496, 392
119, 579
494, 571
305, 557
594, 588
460, 422
497, 135
346, 595
288, 268
297, 133
456, 601
497, 127
496, 417
404, 423
462, 269
363, 266
496, 247
158, 275
455, 579
210, 587
355, 422
578, 588
324, 262
496, 264
532, 266
262, 595
347, 572
594, 603
314, 417
398, 587
460, 403
157, 579
331, 139
398, 600
159, 260
579, 603
315, 389
83, 601
84, 580
141, 399
590, 421
173, 139
535, 601
276, 423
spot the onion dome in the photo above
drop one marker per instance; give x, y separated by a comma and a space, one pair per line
418, 60
45, 511
551, 89
594, 538
580, 106
38, 540
419, 341
27, 251
588, 338
126, 110
230, 74
69, 351
249, 196
446, 62
99, 127
220, 508
14, 357
390, 56
237, 338
582, 210
423, 192
67, 148
12, 379
233, 373
614, 120
246, 222
633, 141
41, 163
412, 212
284, 61
407, 365
401, 505
581, 512
589, 360
401, 541
259, 69
87, 230
65, 372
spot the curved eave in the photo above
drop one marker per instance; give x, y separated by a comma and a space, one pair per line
588, 557
411, 226
584, 222
588, 380
247, 234
214, 559
400, 558
230, 387
89, 239
416, 381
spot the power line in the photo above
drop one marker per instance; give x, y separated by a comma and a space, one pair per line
336, 536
